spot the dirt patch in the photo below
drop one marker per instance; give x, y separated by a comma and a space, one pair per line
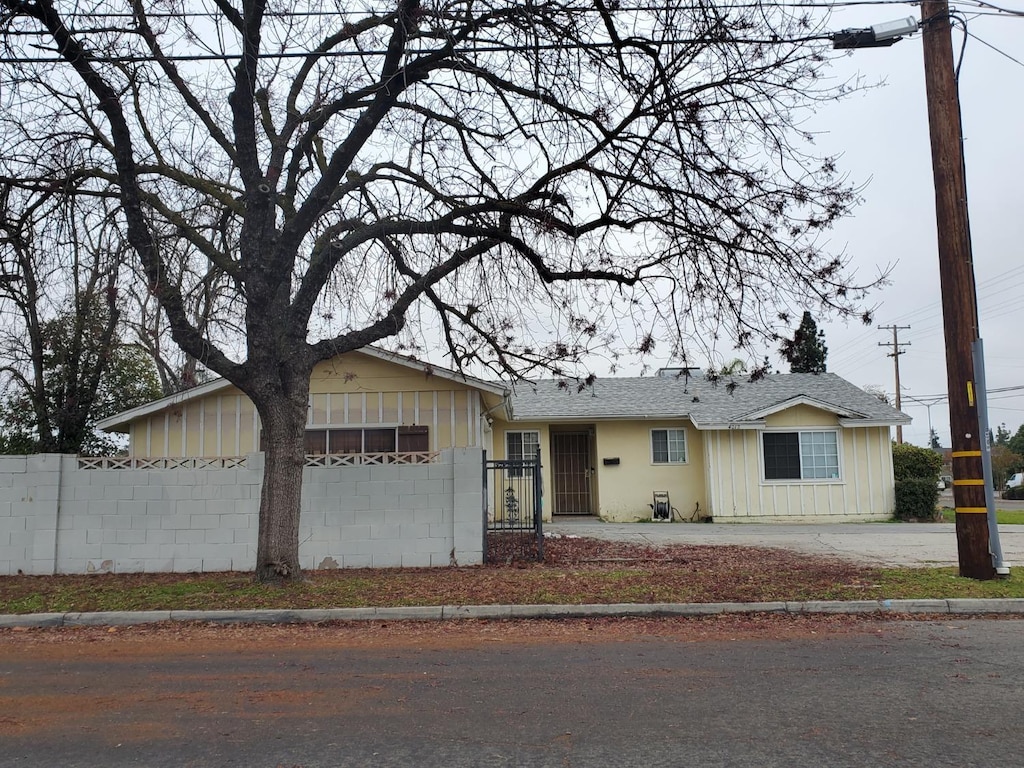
201, 638
575, 570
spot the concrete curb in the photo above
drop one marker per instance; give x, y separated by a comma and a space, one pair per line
958, 606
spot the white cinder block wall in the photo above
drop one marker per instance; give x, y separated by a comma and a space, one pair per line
58, 518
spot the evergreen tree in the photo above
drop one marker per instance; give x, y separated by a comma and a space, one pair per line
1016, 443
1002, 435
806, 351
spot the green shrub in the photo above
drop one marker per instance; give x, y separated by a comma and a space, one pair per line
914, 462
1014, 493
916, 499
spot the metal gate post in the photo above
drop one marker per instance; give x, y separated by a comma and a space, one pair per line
484, 503
538, 511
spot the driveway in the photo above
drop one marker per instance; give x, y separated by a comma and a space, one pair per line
882, 544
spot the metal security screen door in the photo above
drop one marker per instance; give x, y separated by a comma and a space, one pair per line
571, 473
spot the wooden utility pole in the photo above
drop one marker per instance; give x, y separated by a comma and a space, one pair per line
895, 355
959, 301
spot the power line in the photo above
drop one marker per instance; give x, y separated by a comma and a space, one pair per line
997, 50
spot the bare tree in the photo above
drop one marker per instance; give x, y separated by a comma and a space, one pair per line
65, 366
527, 181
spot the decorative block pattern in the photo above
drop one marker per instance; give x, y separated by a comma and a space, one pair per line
64, 514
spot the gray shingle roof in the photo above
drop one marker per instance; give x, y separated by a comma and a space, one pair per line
706, 403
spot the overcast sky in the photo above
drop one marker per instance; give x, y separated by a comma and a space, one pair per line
883, 136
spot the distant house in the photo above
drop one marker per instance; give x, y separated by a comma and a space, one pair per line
787, 447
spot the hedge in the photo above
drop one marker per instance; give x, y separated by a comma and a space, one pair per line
916, 499
912, 461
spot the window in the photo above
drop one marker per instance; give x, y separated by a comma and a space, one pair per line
801, 455
668, 446
316, 441
520, 446
413, 439
346, 441
376, 440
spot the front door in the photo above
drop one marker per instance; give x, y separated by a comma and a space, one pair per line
571, 473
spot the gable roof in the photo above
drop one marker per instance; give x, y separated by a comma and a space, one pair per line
709, 405
216, 385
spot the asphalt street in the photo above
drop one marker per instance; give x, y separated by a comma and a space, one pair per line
881, 694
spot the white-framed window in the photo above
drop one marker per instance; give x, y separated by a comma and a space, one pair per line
802, 455
668, 446
519, 446
351, 440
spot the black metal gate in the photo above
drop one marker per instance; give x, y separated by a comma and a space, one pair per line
513, 525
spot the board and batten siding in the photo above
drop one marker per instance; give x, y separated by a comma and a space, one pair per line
366, 392
738, 490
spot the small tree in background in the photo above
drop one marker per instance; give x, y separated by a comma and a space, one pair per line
806, 351
1002, 436
1004, 463
916, 472
1016, 443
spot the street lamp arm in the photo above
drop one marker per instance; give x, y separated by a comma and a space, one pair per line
877, 35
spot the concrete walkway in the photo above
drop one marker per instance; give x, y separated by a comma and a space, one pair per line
903, 545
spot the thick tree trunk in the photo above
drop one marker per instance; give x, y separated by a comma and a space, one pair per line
284, 422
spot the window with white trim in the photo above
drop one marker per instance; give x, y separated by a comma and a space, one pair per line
668, 446
521, 445
805, 455
351, 440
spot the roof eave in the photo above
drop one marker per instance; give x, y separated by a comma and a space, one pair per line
707, 426
792, 402
562, 419
851, 423
431, 370
123, 419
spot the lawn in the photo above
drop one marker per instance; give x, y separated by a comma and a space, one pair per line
575, 571
1003, 516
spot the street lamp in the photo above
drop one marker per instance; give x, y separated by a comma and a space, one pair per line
876, 36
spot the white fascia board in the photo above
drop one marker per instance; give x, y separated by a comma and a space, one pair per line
111, 423
802, 400
707, 426
604, 417
433, 370
852, 423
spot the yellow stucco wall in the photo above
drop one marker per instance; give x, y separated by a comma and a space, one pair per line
353, 390
496, 450
622, 492
863, 491
627, 488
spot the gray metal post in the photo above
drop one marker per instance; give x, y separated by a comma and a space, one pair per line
538, 508
485, 497
995, 548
